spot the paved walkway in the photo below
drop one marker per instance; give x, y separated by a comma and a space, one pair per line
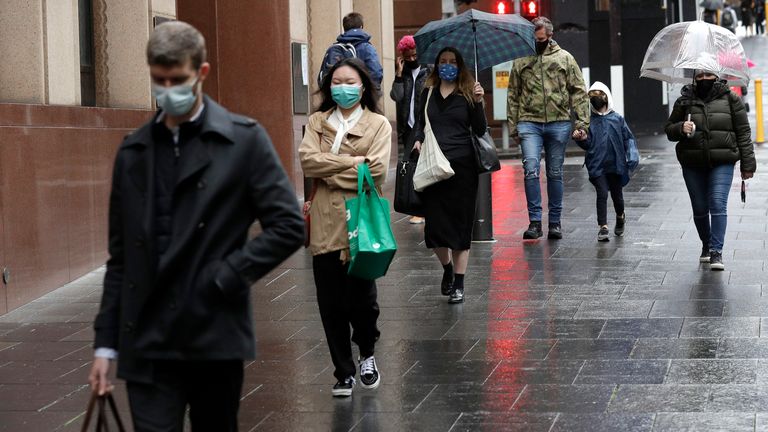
569, 335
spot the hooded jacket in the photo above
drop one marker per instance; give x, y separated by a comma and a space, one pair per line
365, 51
722, 134
544, 88
608, 132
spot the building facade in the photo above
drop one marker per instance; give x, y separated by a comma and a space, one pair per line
75, 82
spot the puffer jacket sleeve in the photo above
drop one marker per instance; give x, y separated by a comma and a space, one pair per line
371, 59
743, 134
674, 126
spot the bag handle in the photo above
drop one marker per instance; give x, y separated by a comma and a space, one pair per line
101, 415
364, 176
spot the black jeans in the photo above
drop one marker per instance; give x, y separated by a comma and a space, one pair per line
345, 300
603, 185
210, 388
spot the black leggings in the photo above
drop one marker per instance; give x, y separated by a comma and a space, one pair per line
604, 184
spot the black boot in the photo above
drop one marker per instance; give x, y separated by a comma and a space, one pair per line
534, 231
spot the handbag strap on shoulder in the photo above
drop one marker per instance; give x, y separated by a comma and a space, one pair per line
426, 105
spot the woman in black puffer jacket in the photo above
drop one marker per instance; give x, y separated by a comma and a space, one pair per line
711, 127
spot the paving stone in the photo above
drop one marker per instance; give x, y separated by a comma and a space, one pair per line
712, 371
721, 422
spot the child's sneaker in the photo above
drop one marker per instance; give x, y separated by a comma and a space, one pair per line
369, 373
620, 220
344, 388
602, 235
704, 257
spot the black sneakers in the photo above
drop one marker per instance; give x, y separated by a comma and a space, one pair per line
704, 257
602, 235
619, 229
555, 232
716, 261
457, 296
534, 231
344, 388
369, 373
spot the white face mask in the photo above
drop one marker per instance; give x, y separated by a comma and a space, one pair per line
176, 100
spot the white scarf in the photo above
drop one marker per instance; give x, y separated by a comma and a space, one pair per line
343, 125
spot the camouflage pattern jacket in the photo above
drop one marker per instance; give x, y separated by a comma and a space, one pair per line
544, 88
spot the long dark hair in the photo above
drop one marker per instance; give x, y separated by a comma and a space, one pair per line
370, 97
465, 84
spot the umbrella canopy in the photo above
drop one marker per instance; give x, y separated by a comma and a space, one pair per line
712, 4
484, 39
679, 49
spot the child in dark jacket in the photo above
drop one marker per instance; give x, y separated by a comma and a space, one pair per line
611, 156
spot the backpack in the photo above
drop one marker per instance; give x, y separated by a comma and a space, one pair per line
335, 53
727, 19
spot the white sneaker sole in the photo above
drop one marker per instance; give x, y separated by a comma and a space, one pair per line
703, 259
341, 392
717, 267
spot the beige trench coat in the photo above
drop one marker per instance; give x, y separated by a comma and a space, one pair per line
337, 174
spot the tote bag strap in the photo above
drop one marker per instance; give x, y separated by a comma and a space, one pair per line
426, 105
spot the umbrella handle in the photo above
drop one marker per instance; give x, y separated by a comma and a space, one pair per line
474, 41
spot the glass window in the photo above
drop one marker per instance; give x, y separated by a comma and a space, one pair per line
87, 67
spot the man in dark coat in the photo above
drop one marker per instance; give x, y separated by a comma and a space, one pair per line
186, 187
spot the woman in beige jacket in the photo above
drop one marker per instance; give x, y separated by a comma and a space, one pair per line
347, 130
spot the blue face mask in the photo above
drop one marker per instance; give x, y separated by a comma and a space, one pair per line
448, 72
346, 95
177, 100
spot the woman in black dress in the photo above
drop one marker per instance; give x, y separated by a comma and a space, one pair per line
455, 109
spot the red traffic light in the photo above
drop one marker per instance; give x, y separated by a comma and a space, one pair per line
503, 7
530, 9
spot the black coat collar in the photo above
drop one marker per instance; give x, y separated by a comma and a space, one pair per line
216, 120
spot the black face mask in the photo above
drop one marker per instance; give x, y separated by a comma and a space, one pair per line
597, 102
541, 46
411, 64
704, 88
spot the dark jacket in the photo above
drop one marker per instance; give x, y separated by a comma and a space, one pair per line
609, 139
402, 90
365, 52
722, 133
193, 303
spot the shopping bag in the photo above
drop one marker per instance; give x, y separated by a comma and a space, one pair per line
371, 242
407, 200
99, 404
432, 166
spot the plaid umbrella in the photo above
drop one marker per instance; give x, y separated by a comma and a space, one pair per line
484, 39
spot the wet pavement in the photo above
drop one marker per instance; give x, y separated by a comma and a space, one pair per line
568, 335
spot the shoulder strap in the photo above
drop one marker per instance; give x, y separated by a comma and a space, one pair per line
426, 105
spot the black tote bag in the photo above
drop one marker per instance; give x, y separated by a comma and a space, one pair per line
407, 200
485, 153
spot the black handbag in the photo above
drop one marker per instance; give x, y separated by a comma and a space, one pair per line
407, 200
485, 153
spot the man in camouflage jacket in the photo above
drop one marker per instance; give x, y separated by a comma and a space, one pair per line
543, 90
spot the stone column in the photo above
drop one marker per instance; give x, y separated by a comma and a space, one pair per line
63, 53
379, 23
22, 49
121, 31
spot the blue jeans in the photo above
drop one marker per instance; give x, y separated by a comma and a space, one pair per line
708, 189
552, 137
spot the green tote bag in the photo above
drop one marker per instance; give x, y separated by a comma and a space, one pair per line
371, 242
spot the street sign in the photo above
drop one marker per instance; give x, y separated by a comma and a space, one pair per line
500, 83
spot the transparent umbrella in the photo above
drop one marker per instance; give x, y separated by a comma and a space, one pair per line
679, 49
